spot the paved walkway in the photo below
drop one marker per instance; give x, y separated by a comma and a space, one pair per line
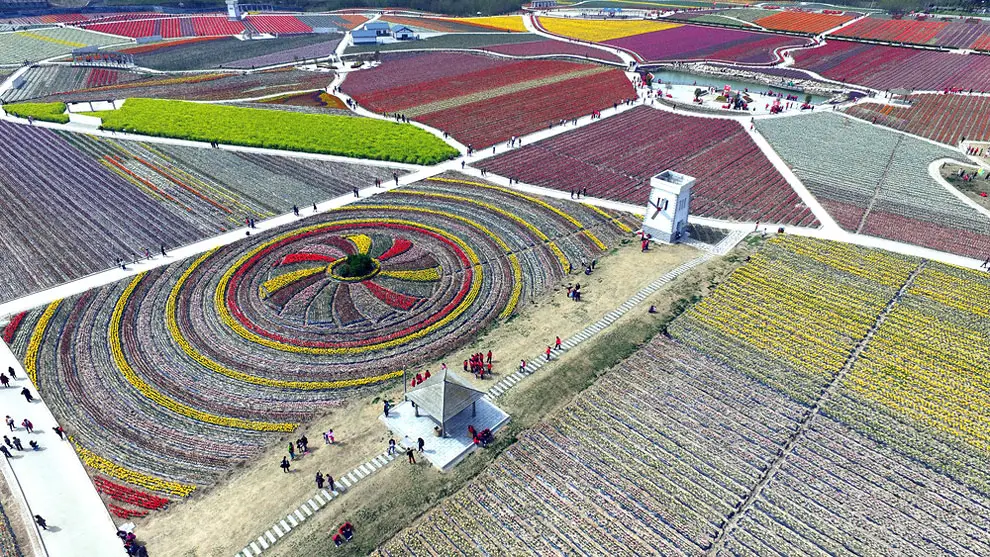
53, 480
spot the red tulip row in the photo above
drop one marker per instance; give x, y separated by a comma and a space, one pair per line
124, 513
128, 495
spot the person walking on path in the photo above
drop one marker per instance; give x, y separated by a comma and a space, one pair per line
10, 370
330, 483
295, 210
10, 423
28, 425
326, 438
319, 480
522, 365
17, 443
292, 451
4, 380
391, 447
6, 441
285, 465
410, 456
356, 194
5, 451
387, 407
41, 521
163, 251
548, 352
986, 263
557, 344
60, 432
421, 444
489, 356
395, 176
27, 394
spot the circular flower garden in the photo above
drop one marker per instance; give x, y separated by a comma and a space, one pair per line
167, 379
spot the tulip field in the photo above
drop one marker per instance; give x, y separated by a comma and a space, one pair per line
890, 67
694, 42
955, 33
802, 22
478, 100
616, 157
943, 118
666, 452
257, 336
877, 182
148, 195
42, 44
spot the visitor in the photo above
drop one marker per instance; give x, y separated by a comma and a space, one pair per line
395, 176
548, 352
6, 441
59, 431
292, 450
163, 251
330, 483
556, 345
34, 445
27, 394
17, 443
285, 465
489, 356
522, 366
5, 451
356, 193
10, 423
41, 521
305, 443
391, 447
28, 425
295, 210
421, 444
10, 370
347, 530
387, 407
4, 380
314, 208
319, 480
653, 309
410, 456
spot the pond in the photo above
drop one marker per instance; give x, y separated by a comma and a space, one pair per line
718, 81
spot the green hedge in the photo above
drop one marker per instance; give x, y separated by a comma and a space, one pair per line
49, 112
348, 136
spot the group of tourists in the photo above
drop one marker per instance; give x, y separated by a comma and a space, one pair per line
327, 480
344, 534
482, 438
131, 545
976, 151
478, 364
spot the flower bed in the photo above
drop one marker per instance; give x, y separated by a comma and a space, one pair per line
260, 335
40, 44
330, 134
693, 42
943, 118
596, 31
219, 52
307, 52
615, 159
802, 22
951, 34
869, 167
451, 41
201, 87
887, 67
478, 99
551, 47
49, 112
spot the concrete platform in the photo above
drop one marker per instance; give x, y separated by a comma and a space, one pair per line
446, 452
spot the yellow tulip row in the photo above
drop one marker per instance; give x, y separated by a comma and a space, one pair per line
120, 360
104, 466
171, 320
874, 265
930, 370
536, 201
953, 290
362, 241
34, 345
219, 297
273, 285
419, 275
516, 287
